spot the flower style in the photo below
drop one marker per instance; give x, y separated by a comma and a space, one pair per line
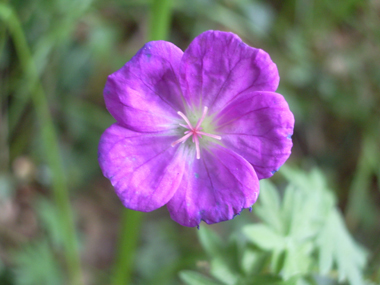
195, 130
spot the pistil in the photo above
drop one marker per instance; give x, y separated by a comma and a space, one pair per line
194, 131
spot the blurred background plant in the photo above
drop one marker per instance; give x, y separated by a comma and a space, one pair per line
60, 219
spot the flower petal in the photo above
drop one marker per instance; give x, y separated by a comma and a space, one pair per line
143, 168
217, 67
144, 94
258, 126
214, 188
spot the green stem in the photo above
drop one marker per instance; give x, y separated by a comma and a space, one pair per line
4, 147
58, 33
130, 229
360, 209
50, 141
160, 16
131, 220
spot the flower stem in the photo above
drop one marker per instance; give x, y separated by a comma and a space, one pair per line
160, 15
128, 236
50, 143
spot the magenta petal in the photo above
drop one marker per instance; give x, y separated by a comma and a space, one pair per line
144, 94
143, 168
258, 126
217, 67
214, 188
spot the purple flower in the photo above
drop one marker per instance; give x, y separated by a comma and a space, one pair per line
195, 130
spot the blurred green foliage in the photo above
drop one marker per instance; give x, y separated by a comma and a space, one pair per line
301, 240
328, 55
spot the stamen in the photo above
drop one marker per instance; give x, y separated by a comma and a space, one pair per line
183, 139
197, 146
182, 125
194, 132
185, 118
210, 135
205, 109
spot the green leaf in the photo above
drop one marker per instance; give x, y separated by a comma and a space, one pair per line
291, 233
223, 263
297, 259
49, 217
307, 200
268, 208
336, 246
253, 261
36, 264
264, 237
210, 241
270, 280
301, 213
221, 270
277, 262
194, 278
290, 207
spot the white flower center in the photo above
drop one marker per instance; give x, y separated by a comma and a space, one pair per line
195, 132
